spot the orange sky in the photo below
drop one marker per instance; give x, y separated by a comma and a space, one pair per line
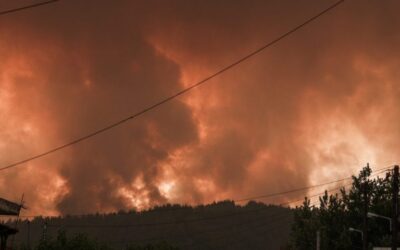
317, 106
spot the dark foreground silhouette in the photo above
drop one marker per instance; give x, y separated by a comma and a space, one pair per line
221, 225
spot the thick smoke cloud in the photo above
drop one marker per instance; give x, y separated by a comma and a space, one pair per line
316, 106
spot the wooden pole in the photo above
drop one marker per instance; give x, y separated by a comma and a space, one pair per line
365, 218
395, 201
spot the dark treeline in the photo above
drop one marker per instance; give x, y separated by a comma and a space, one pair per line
222, 225
225, 225
337, 213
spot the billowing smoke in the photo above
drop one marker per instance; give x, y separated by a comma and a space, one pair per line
317, 106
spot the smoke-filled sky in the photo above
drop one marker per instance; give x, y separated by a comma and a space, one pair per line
316, 106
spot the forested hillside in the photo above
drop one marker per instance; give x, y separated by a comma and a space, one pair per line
222, 225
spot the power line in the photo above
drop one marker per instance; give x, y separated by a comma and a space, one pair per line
185, 90
375, 172
211, 217
307, 187
274, 217
187, 221
4, 12
291, 191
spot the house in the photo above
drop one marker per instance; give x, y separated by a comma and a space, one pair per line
7, 208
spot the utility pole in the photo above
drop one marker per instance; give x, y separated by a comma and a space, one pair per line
395, 202
44, 230
318, 240
365, 215
29, 234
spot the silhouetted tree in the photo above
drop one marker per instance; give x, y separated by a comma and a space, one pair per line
338, 212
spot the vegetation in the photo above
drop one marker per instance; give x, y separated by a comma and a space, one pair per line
78, 242
251, 226
82, 242
338, 212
